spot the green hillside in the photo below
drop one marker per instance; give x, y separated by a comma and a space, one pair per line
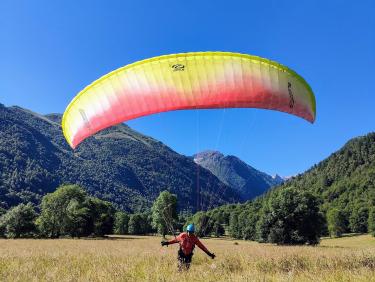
346, 179
343, 186
118, 164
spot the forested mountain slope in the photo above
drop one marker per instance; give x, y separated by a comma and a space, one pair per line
342, 187
346, 179
118, 164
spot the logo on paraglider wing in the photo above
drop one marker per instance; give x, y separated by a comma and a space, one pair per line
178, 67
85, 119
291, 97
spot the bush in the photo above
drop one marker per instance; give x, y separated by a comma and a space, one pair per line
19, 222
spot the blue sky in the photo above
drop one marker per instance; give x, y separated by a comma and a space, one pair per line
50, 50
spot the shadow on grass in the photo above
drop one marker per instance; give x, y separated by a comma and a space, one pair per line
110, 238
331, 247
344, 236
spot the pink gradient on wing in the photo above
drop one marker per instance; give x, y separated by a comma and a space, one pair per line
251, 94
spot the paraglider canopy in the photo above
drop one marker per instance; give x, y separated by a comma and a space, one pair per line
199, 80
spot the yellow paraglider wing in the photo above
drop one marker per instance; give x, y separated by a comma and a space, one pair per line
199, 80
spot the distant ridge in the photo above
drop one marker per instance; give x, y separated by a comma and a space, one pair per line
246, 180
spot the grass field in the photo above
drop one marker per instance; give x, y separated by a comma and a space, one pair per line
133, 258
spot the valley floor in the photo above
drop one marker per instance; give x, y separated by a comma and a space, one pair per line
136, 258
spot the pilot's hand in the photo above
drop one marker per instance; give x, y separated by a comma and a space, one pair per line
164, 243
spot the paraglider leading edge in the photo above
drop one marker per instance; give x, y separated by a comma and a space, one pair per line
269, 63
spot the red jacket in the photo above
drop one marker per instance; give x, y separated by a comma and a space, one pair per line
188, 243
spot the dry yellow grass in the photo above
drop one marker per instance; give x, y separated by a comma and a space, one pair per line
135, 258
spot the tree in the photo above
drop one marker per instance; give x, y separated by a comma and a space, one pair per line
215, 226
69, 211
218, 229
140, 224
234, 227
203, 223
371, 221
358, 219
135, 224
102, 216
2, 226
336, 220
19, 221
291, 217
164, 213
121, 223
2, 211
146, 223
78, 215
264, 224
182, 219
64, 212
247, 222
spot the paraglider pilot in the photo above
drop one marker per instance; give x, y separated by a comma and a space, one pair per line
187, 241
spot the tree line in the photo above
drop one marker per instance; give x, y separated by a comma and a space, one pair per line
70, 212
287, 216
282, 216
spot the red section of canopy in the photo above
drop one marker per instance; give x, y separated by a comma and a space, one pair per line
131, 105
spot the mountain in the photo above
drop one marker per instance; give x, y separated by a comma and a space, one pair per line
118, 164
344, 187
346, 179
246, 180
278, 179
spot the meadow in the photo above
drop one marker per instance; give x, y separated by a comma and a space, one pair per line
141, 258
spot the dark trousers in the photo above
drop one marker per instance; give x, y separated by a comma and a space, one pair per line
183, 260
